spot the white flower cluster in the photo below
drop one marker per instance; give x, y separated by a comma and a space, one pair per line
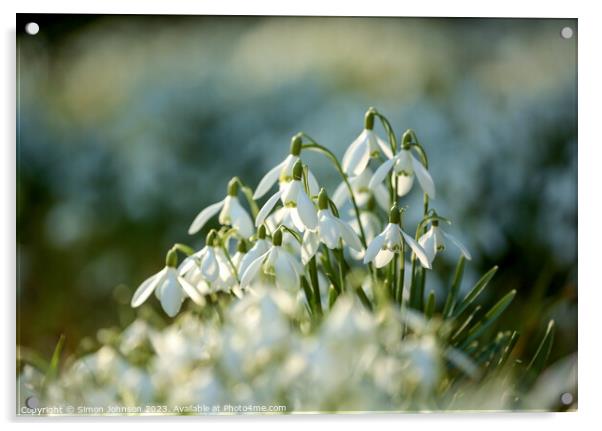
355, 361
299, 236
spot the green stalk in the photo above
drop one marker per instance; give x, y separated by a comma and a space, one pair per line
313, 274
450, 302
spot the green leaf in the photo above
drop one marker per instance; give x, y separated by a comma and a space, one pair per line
429, 308
450, 302
490, 317
476, 290
543, 351
508, 349
56, 357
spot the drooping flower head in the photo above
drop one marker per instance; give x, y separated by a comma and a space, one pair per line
171, 289
367, 145
391, 241
283, 172
329, 231
405, 167
231, 213
295, 201
277, 262
433, 242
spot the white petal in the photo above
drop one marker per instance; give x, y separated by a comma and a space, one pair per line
381, 194
329, 229
204, 216
286, 276
171, 294
384, 147
417, 249
458, 244
341, 194
424, 178
268, 181
381, 173
147, 287
240, 219
349, 236
404, 184
224, 215
209, 266
306, 210
314, 187
191, 291
374, 247
383, 257
252, 270
292, 259
427, 242
293, 220
260, 247
357, 156
266, 208
310, 245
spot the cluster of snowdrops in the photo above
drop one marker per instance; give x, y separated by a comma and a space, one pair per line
312, 301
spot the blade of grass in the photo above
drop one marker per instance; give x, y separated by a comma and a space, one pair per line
476, 290
490, 317
53, 366
450, 302
543, 351
429, 307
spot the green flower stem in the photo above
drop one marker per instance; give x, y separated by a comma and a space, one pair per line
338, 253
313, 275
314, 146
232, 266
450, 302
187, 250
308, 295
400, 279
389, 130
248, 192
329, 270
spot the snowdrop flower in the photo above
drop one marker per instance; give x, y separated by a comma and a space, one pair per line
330, 231
405, 167
361, 191
275, 262
231, 213
260, 247
433, 242
372, 227
296, 201
283, 172
383, 248
171, 288
365, 146
208, 269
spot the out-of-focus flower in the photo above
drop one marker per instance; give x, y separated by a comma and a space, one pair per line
382, 248
433, 242
361, 191
364, 147
231, 213
330, 231
295, 200
283, 173
275, 262
170, 288
405, 167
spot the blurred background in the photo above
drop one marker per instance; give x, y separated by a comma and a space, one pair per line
129, 125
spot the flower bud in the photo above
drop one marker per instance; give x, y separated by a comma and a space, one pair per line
322, 199
406, 139
211, 238
369, 119
296, 145
394, 216
261, 232
298, 171
242, 246
277, 237
233, 187
171, 258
